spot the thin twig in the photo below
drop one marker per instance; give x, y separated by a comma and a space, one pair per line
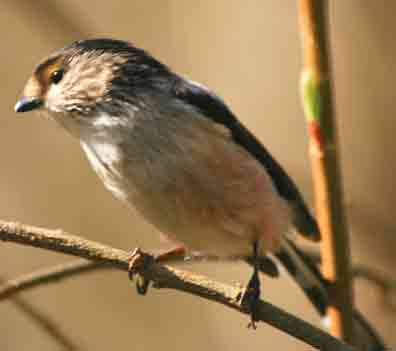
44, 322
166, 277
386, 283
47, 275
382, 280
318, 108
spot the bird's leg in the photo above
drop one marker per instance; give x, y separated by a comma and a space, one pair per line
176, 252
138, 261
252, 295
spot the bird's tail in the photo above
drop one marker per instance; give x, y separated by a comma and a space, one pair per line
304, 271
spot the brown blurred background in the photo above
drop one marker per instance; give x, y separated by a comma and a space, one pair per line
247, 51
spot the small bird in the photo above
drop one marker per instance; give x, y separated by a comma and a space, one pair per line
173, 150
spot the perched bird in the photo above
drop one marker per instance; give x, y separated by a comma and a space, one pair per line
174, 151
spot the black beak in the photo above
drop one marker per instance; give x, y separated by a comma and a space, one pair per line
28, 104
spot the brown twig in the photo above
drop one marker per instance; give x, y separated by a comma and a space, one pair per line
386, 283
171, 278
58, 273
382, 280
9, 288
48, 275
318, 107
45, 323
368, 337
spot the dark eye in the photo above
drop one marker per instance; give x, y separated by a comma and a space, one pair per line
56, 76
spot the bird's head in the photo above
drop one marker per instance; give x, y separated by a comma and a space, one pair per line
90, 77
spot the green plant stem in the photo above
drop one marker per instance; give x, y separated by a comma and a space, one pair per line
319, 112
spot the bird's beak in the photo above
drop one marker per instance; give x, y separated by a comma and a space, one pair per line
28, 104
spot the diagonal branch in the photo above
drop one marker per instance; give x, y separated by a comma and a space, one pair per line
48, 275
59, 272
44, 322
166, 277
383, 281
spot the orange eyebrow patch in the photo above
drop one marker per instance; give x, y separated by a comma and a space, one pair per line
39, 82
44, 71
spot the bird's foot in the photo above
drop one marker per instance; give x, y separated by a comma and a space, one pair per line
251, 299
138, 262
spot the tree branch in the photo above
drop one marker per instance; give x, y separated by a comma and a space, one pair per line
43, 321
48, 275
367, 335
58, 273
171, 278
385, 282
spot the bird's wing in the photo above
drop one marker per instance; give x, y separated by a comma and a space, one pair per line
211, 106
301, 267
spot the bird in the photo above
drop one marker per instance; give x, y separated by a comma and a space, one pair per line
173, 150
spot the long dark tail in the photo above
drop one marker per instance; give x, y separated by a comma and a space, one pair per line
304, 271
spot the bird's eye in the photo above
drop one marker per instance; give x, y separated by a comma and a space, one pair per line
57, 76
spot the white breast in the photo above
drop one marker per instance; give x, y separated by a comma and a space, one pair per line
105, 159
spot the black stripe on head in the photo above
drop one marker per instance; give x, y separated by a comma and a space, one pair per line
103, 44
139, 71
138, 60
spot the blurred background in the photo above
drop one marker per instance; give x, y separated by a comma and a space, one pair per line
249, 53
